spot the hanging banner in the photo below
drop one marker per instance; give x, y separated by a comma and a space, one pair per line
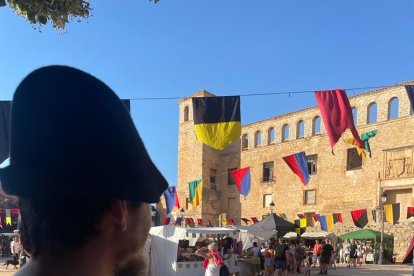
217, 120
298, 163
242, 179
337, 115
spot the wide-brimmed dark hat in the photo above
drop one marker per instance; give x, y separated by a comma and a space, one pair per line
71, 136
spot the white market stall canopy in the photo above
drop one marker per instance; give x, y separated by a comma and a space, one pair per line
164, 244
319, 235
213, 230
290, 235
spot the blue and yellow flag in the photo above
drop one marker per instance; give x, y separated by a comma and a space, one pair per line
196, 192
217, 120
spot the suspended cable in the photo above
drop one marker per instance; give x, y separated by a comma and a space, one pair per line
260, 94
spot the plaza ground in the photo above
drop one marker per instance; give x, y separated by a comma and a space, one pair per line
377, 270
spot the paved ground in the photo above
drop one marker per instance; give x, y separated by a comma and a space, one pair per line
376, 270
365, 270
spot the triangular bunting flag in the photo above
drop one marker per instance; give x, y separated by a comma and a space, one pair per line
301, 216
242, 179
171, 199
303, 223
298, 163
231, 221
359, 217
336, 115
315, 217
322, 221
166, 221
245, 220
217, 120
329, 223
410, 212
196, 192
254, 219
392, 212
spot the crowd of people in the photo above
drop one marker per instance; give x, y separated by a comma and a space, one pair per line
280, 257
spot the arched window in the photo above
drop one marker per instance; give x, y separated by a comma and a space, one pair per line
355, 115
186, 114
245, 141
285, 132
393, 108
316, 125
271, 135
300, 129
257, 139
372, 113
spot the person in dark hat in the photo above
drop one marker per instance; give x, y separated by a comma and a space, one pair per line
82, 175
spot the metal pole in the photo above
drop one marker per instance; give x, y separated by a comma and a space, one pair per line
381, 254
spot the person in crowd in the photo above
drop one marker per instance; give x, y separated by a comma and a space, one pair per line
292, 257
326, 254
346, 248
300, 254
67, 128
268, 259
212, 259
308, 266
353, 254
281, 258
339, 253
333, 255
255, 252
359, 253
316, 252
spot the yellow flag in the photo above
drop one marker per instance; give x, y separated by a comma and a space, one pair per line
8, 221
224, 222
329, 222
303, 223
361, 152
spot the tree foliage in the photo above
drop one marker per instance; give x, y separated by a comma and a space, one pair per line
58, 12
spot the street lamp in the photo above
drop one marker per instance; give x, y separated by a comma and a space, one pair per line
381, 253
182, 211
272, 207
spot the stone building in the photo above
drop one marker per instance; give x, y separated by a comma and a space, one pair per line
339, 183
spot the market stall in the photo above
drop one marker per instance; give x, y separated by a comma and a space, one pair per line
271, 225
320, 235
375, 238
172, 249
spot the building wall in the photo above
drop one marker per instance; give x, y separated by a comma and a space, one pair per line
337, 189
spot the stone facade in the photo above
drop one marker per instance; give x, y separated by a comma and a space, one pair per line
339, 183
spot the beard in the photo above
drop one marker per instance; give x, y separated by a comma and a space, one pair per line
135, 267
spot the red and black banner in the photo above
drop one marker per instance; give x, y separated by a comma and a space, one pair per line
245, 220
410, 212
254, 219
337, 217
200, 222
360, 217
166, 221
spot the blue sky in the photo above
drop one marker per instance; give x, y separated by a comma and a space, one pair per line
175, 48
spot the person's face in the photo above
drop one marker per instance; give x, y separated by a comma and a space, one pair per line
136, 233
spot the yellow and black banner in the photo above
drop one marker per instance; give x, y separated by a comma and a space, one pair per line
217, 120
392, 212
